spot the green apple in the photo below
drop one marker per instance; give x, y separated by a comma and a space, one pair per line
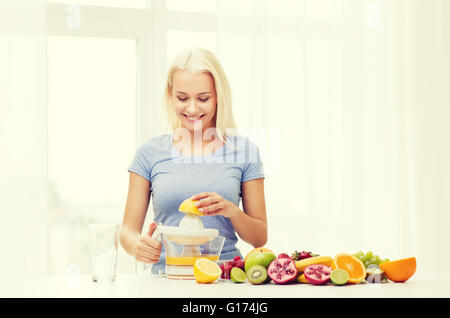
259, 258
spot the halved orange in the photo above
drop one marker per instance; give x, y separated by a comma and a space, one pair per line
355, 268
400, 270
258, 249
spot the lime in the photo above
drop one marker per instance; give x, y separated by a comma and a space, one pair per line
339, 276
237, 275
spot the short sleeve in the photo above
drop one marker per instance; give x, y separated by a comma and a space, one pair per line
141, 163
254, 168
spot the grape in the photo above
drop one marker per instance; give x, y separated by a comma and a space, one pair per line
369, 258
377, 260
373, 260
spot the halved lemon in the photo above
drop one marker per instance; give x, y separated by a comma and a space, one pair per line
206, 271
188, 206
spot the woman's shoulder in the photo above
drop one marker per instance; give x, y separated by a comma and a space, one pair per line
157, 144
242, 142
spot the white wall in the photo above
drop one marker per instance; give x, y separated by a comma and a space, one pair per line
23, 138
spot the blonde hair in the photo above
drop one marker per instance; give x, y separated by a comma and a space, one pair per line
199, 60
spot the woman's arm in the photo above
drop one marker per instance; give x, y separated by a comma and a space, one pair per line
143, 248
251, 226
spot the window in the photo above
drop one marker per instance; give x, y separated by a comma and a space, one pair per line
92, 138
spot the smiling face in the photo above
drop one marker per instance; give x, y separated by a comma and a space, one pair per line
194, 99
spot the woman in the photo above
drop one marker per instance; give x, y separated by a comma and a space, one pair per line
187, 164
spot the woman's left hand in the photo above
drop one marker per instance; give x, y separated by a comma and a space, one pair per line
210, 203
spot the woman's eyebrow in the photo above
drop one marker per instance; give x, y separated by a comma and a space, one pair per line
197, 94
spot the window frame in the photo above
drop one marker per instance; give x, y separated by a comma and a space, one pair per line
143, 25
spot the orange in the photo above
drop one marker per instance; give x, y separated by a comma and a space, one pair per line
258, 249
400, 270
355, 268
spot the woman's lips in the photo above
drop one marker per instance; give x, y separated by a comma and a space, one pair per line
193, 119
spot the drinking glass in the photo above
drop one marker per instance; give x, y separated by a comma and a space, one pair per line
103, 242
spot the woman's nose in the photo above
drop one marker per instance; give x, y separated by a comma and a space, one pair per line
192, 107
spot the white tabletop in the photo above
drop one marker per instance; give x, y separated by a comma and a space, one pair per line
426, 285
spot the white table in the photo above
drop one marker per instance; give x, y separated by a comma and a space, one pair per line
435, 284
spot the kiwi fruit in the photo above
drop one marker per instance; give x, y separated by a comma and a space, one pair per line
257, 274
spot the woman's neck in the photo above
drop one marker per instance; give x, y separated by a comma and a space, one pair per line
197, 142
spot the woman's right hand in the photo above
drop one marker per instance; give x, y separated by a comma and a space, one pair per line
147, 249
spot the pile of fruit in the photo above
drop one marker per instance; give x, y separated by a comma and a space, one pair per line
262, 266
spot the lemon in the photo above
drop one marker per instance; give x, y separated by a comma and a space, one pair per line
188, 206
206, 271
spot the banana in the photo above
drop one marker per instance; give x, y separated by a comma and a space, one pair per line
302, 279
302, 264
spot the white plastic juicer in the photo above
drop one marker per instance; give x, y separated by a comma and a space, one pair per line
187, 242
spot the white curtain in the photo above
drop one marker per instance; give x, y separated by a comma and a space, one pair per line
23, 137
349, 101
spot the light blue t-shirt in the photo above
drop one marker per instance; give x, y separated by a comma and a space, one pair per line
175, 177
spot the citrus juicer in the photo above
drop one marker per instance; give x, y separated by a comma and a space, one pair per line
187, 242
